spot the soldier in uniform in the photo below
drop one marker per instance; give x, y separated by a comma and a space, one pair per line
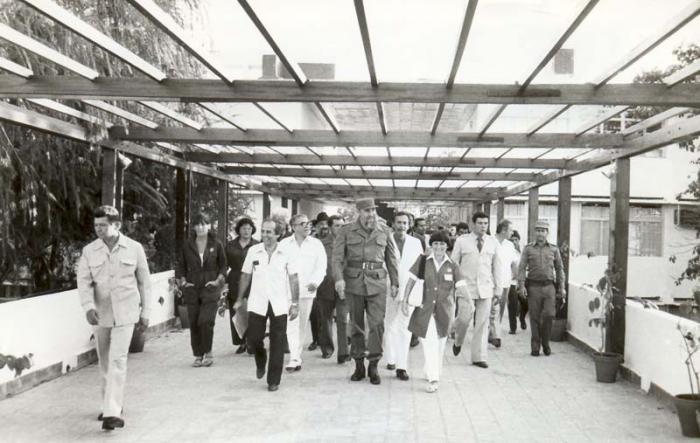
363, 255
541, 280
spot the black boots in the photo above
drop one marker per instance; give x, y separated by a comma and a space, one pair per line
359, 373
373, 373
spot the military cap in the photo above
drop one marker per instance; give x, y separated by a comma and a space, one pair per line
365, 203
542, 224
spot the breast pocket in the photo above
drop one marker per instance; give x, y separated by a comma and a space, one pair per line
97, 266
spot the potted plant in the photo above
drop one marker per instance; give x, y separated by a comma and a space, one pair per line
606, 363
688, 405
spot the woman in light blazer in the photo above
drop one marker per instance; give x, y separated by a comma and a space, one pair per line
202, 272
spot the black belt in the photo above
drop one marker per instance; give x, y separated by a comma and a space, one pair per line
371, 265
539, 282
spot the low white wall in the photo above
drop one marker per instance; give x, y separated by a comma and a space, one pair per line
654, 348
54, 329
579, 315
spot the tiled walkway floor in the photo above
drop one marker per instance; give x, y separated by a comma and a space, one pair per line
519, 398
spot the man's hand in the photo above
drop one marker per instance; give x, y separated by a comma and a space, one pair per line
340, 289
211, 284
394, 291
404, 307
561, 294
522, 291
237, 305
311, 287
92, 317
293, 311
142, 325
462, 292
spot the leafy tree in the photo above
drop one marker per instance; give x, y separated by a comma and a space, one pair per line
49, 185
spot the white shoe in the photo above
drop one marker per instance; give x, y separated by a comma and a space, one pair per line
432, 386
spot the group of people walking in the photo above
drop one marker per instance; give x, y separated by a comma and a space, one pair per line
395, 286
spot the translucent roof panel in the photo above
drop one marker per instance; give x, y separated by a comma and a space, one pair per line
485, 152
405, 151
409, 116
369, 151
335, 181
509, 38
521, 118
355, 116
381, 182
405, 183
458, 118
358, 181
399, 28
287, 150
429, 183
446, 152
452, 184
330, 150
573, 118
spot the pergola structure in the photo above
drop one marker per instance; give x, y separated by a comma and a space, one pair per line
326, 164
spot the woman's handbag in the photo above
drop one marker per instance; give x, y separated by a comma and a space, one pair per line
415, 298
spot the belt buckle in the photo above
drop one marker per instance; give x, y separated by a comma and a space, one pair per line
364, 265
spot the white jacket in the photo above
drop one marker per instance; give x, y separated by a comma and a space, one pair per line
483, 271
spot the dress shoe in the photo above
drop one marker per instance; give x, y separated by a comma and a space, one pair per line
511, 332
197, 362
260, 372
312, 346
535, 353
481, 364
326, 353
373, 373
208, 360
293, 368
523, 325
432, 387
390, 367
456, 350
343, 358
401, 374
547, 350
273, 388
414, 341
100, 417
496, 342
359, 373
111, 423
241, 349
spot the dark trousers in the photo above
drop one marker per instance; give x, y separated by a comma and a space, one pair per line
315, 320
278, 340
374, 307
517, 308
541, 300
325, 334
235, 339
202, 317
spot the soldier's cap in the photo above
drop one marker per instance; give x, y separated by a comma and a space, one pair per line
365, 203
542, 224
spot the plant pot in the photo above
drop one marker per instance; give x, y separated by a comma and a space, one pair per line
138, 340
687, 406
184, 318
558, 329
606, 366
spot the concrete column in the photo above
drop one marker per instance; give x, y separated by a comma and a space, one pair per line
266, 205
532, 212
500, 209
183, 188
564, 233
110, 161
223, 211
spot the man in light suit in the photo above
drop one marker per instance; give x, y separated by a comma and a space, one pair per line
115, 291
398, 338
478, 258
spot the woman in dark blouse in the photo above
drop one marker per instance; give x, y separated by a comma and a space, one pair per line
201, 271
236, 251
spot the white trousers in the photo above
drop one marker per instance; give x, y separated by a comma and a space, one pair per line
397, 338
433, 352
479, 343
496, 314
112, 351
296, 331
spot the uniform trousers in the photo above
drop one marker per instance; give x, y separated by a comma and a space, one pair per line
255, 335
541, 299
112, 351
479, 343
433, 351
517, 308
374, 307
397, 339
315, 321
325, 336
202, 317
296, 331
